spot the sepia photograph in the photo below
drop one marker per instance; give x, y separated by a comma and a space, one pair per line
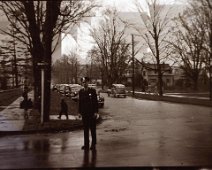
106, 84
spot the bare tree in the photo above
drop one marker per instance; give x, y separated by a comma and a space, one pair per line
65, 70
75, 67
4, 69
38, 24
16, 55
202, 10
112, 50
156, 22
61, 69
96, 70
191, 42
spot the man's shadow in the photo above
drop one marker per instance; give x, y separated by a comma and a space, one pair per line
86, 157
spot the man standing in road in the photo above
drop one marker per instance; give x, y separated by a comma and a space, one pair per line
88, 108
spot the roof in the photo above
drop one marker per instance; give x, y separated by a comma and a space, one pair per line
118, 85
164, 67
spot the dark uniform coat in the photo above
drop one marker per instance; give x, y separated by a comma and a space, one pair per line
88, 104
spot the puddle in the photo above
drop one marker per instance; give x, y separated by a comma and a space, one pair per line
115, 130
106, 117
115, 126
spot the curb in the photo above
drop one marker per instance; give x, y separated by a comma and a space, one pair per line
182, 100
50, 130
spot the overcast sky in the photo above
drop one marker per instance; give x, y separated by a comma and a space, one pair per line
128, 5
84, 41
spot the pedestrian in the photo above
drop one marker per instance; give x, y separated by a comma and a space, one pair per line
25, 101
88, 108
30, 104
25, 93
64, 109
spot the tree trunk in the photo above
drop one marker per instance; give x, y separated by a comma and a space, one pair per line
195, 79
37, 47
47, 93
160, 80
52, 12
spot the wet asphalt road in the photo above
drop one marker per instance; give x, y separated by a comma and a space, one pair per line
134, 133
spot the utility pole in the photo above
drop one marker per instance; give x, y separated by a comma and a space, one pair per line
14, 48
133, 67
91, 70
15, 61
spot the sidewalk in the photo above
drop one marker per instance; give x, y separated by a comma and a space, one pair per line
12, 117
13, 120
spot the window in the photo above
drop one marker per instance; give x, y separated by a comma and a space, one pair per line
144, 73
153, 80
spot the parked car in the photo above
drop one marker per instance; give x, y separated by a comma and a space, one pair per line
74, 90
53, 87
56, 87
63, 88
101, 100
117, 90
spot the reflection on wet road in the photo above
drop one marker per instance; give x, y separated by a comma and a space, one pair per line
89, 159
134, 133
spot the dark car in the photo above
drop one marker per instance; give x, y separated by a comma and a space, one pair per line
101, 100
117, 90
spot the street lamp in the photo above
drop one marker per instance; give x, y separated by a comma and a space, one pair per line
15, 60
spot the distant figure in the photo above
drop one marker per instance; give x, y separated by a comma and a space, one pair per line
25, 94
30, 104
25, 103
64, 109
88, 108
